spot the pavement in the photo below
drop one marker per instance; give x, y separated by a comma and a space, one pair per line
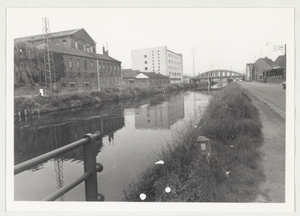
269, 99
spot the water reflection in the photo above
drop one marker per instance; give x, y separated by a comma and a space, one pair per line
126, 150
37, 138
160, 116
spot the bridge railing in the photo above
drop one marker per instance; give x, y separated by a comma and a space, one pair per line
90, 167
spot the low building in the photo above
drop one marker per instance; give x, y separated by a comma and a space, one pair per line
261, 65
128, 77
85, 70
186, 79
135, 78
151, 79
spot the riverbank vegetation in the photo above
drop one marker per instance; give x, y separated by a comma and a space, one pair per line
232, 173
79, 99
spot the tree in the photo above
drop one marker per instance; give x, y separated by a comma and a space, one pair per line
29, 64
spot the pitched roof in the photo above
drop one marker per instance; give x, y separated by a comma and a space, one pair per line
129, 73
153, 75
280, 61
266, 60
78, 52
54, 34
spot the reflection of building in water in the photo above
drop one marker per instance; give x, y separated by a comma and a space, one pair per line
33, 142
160, 116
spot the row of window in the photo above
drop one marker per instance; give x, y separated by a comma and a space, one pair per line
174, 74
103, 81
85, 47
174, 62
174, 56
102, 65
174, 68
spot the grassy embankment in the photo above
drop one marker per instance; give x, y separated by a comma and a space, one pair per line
233, 173
71, 100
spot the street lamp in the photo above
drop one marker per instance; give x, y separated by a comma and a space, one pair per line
281, 48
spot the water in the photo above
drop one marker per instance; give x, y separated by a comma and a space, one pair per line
134, 132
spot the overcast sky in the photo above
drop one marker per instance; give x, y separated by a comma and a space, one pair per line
224, 38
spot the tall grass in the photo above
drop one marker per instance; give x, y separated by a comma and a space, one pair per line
71, 100
232, 174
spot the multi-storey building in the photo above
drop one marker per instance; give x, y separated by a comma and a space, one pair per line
159, 60
84, 68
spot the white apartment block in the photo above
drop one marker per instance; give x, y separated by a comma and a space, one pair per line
158, 60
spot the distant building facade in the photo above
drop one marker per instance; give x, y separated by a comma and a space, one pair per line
250, 74
85, 69
158, 60
266, 70
135, 78
261, 65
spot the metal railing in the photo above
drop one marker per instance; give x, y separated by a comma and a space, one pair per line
90, 167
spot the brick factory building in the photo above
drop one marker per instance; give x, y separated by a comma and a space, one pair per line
85, 69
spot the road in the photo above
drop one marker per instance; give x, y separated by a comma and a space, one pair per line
269, 99
271, 92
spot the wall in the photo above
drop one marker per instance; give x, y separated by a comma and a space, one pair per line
155, 57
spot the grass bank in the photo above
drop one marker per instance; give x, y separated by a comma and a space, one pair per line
233, 173
65, 101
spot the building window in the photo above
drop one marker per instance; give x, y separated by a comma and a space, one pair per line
78, 64
84, 47
76, 45
146, 68
70, 63
145, 62
86, 84
72, 85
92, 49
92, 64
145, 56
64, 43
64, 85
85, 65
100, 65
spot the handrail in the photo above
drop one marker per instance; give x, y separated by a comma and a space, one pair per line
90, 167
68, 187
45, 157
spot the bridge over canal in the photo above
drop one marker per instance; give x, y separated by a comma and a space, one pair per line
217, 74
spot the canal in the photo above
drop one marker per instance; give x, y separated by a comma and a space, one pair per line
134, 131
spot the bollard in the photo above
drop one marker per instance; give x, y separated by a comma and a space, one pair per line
205, 147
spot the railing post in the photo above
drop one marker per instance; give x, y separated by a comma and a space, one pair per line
89, 152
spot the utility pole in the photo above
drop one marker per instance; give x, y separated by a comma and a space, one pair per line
193, 52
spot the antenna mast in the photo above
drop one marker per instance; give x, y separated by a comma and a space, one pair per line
50, 76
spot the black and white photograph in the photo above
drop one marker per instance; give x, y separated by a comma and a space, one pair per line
150, 109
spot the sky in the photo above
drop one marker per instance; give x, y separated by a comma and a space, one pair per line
224, 38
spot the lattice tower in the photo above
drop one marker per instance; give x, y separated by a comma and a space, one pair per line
49, 69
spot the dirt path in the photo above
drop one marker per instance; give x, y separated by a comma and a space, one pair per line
273, 151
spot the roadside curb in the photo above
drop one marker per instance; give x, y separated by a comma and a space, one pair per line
272, 106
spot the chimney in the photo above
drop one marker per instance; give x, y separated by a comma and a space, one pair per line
104, 52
